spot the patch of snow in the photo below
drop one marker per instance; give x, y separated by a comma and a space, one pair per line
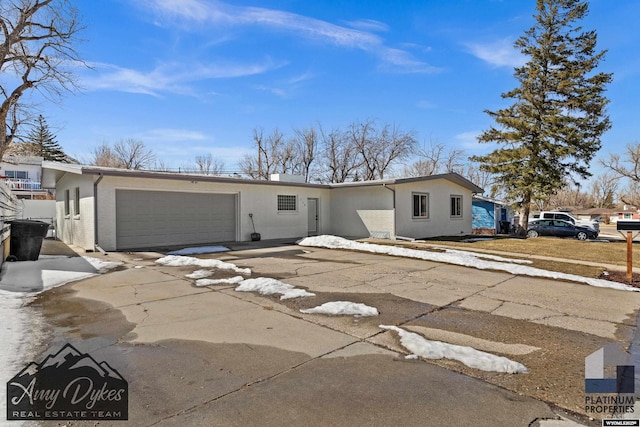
179, 260
199, 250
343, 308
268, 286
456, 258
471, 255
421, 347
230, 281
199, 274
101, 265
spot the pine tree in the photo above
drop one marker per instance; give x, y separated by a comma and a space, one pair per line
552, 131
45, 143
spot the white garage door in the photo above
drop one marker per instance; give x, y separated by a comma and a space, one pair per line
164, 218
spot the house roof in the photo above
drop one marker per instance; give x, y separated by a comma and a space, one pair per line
53, 171
490, 200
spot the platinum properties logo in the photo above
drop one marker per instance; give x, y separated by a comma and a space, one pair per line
68, 385
609, 382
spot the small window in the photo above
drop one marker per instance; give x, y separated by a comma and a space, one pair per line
66, 202
456, 206
420, 205
76, 202
287, 203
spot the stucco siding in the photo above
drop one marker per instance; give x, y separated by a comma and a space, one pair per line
439, 221
345, 203
260, 200
75, 227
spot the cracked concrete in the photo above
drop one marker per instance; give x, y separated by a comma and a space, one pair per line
239, 355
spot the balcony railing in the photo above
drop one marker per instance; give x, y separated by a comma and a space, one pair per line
23, 185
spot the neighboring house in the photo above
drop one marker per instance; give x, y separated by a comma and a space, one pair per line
23, 174
628, 213
490, 216
8, 210
603, 214
117, 209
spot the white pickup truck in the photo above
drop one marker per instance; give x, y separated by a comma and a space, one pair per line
567, 217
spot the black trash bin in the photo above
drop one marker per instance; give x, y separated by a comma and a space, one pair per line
26, 239
505, 227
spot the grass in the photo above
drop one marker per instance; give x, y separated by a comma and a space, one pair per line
614, 252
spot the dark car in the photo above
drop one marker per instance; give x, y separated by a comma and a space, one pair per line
559, 228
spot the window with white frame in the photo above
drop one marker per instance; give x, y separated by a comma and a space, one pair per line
76, 202
456, 206
287, 203
420, 205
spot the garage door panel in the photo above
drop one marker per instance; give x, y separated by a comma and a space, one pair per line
163, 218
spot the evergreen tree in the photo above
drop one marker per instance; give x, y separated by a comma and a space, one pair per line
552, 131
44, 142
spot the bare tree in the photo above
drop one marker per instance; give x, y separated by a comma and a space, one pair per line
268, 158
36, 53
209, 165
629, 166
339, 156
125, 154
436, 158
307, 141
604, 189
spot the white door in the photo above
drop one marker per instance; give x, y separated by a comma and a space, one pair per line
312, 212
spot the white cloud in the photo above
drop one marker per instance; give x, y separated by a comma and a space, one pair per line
468, 140
173, 78
171, 135
219, 13
499, 53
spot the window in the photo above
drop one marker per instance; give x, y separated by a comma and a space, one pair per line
287, 203
456, 206
76, 202
16, 174
420, 205
66, 202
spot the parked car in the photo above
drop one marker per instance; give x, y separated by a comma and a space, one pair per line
591, 223
559, 228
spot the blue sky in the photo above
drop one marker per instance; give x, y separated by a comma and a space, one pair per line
189, 77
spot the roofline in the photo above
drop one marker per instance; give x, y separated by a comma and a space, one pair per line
104, 171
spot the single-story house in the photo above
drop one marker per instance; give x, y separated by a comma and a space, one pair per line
490, 216
118, 209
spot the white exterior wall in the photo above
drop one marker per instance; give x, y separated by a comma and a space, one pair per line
260, 200
43, 210
76, 228
439, 222
34, 172
347, 201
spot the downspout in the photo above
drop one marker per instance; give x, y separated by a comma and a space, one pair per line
95, 215
395, 219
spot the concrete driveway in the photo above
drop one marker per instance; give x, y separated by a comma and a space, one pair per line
215, 356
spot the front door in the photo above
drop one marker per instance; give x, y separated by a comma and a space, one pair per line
312, 212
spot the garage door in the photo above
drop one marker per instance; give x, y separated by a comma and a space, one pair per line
164, 218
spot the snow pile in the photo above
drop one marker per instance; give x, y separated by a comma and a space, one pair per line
199, 274
101, 265
421, 347
343, 308
267, 286
230, 281
466, 259
178, 261
199, 250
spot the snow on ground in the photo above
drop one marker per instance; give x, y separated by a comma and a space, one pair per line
343, 308
199, 250
179, 260
456, 257
101, 265
421, 347
268, 286
230, 281
199, 274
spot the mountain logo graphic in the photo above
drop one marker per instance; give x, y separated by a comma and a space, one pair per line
609, 370
68, 385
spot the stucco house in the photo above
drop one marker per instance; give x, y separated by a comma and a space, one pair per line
118, 209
